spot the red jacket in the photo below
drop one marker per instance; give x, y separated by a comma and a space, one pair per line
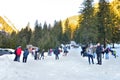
19, 51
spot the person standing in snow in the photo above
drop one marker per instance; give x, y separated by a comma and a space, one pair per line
15, 52
18, 52
99, 51
56, 52
50, 52
90, 55
42, 54
65, 51
93, 51
26, 53
103, 52
35, 52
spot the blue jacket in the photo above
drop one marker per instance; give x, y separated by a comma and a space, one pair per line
26, 53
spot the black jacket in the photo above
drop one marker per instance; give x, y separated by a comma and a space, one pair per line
99, 49
56, 52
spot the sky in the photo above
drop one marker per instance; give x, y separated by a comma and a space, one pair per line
20, 12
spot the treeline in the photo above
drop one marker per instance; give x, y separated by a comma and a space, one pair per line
43, 36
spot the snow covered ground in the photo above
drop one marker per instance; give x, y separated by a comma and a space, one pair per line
71, 67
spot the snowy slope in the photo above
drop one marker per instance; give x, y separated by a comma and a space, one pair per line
71, 67
9, 23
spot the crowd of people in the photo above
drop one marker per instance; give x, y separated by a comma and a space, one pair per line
91, 50
37, 54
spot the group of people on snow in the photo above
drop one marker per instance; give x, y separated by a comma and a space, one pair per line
35, 51
18, 52
90, 51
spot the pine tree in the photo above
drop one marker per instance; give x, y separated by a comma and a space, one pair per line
104, 21
57, 32
87, 32
13, 40
52, 36
37, 34
45, 27
115, 22
24, 36
4, 40
67, 32
76, 36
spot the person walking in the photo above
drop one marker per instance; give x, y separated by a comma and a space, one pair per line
99, 54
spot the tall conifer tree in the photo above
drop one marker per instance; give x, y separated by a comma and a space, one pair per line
87, 32
104, 21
